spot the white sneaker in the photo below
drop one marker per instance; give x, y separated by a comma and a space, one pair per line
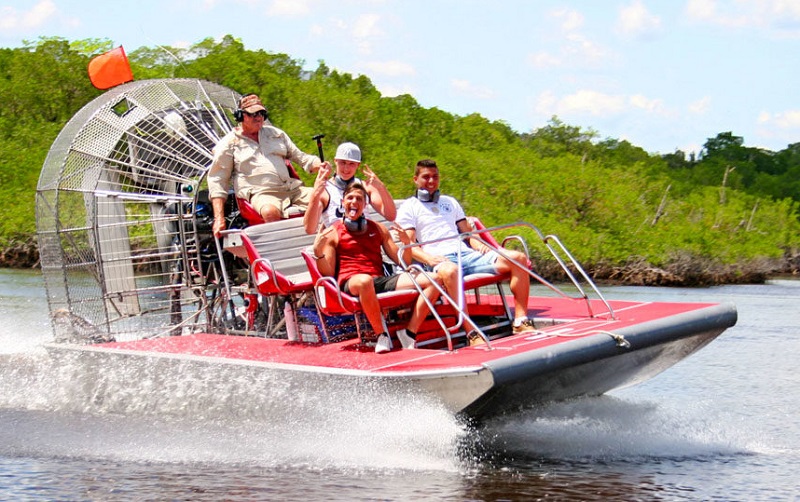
406, 341
383, 344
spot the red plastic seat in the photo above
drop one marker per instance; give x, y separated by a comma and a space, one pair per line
248, 212
277, 271
331, 301
267, 279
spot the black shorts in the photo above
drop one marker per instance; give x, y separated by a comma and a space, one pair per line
382, 284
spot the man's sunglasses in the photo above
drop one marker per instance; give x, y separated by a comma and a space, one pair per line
260, 113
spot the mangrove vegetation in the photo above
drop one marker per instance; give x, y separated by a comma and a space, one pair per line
728, 213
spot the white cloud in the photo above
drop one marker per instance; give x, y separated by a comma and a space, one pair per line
646, 104
466, 88
366, 26
576, 50
635, 19
786, 8
390, 68
583, 101
773, 12
571, 19
391, 91
701, 10
790, 119
288, 8
701, 106
544, 60
546, 103
584, 50
778, 127
362, 32
39, 14
780, 14
593, 102
599, 104
784, 120
365, 31
706, 11
8, 19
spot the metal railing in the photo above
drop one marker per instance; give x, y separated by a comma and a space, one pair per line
551, 242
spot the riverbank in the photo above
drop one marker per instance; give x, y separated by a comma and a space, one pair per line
683, 271
20, 254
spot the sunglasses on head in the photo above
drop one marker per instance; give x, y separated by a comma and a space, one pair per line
260, 113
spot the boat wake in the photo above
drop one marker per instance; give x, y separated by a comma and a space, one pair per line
608, 429
143, 411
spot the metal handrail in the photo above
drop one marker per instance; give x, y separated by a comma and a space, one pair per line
458, 305
546, 239
335, 287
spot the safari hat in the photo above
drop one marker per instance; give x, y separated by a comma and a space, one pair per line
251, 104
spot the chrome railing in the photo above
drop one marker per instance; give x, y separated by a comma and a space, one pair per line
553, 244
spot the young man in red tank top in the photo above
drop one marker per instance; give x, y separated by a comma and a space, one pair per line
350, 250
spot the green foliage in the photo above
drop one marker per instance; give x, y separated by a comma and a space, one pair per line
753, 170
607, 200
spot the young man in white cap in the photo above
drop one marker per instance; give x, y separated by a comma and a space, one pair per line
325, 205
254, 155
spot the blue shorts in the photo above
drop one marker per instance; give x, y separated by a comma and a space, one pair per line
473, 262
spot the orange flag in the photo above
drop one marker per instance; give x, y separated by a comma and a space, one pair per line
110, 69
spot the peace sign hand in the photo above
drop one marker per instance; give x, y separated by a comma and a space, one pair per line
371, 178
323, 174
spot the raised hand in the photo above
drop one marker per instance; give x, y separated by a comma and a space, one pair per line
401, 234
370, 178
323, 174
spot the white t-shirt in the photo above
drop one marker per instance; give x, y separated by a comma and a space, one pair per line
433, 220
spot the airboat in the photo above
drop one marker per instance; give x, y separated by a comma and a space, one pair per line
134, 276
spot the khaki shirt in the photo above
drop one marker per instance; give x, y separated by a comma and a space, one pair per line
255, 167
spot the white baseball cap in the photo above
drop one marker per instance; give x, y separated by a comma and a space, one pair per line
348, 151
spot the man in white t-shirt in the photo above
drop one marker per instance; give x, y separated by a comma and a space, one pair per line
430, 216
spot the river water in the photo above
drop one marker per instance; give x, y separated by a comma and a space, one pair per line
721, 425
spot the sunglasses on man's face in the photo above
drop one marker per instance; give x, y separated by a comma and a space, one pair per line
260, 113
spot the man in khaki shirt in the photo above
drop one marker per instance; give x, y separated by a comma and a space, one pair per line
254, 155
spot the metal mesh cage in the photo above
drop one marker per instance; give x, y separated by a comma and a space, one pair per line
122, 251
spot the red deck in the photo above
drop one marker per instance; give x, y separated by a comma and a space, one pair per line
349, 355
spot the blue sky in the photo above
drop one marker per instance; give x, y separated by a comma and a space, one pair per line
664, 75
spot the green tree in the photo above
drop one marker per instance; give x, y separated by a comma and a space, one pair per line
608, 200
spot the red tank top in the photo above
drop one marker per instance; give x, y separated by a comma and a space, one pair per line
358, 254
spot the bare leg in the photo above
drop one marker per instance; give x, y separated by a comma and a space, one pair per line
271, 213
520, 281
361, 285
421, 308
447, 273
